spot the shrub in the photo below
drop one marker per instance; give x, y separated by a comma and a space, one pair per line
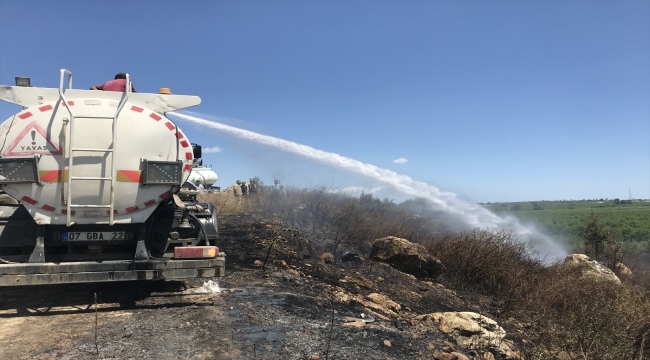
600, 244
588, 318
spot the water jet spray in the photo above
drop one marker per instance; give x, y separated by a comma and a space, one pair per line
474, 215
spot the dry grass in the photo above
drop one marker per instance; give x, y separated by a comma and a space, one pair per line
227, 202
563, 312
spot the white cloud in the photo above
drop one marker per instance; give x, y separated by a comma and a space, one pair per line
400, 161
215, 149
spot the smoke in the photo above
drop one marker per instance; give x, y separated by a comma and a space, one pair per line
473, 215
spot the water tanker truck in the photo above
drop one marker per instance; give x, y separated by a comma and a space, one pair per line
204, 174
89, 185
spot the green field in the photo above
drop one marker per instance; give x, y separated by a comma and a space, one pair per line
630, 222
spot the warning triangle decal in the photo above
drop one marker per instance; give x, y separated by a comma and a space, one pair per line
31, 141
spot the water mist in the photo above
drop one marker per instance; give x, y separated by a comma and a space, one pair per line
472, 214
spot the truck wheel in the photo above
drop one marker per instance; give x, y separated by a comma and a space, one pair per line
6, 199
161, 227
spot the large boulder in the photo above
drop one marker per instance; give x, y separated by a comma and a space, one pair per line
471, 331
406, 256
590, 268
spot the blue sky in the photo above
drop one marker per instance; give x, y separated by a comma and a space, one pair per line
493, 100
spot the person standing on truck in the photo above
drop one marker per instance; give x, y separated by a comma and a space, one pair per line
117, 84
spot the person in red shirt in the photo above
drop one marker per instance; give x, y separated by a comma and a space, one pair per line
118, 84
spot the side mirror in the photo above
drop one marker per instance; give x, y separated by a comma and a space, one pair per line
196, 149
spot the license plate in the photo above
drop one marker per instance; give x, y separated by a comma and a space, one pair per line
94, 235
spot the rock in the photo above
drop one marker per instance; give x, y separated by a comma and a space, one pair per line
371, 308
258, 263
459, 356
351, 319
315, 357
377, 313
471, 331
355, 324
293, 272
448, 347
387, 343
590, 268
349, 255
384, 301
406, 256
327, 258
439, 355
358, 280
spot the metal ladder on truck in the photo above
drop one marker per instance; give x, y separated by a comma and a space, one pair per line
68, 202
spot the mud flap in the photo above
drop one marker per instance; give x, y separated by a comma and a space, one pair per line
141, 251
17, 227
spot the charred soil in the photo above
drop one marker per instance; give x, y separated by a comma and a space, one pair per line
277, 301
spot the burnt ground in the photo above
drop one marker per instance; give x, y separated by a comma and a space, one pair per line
295, 307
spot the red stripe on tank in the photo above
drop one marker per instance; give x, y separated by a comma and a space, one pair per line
29, 200
165, 195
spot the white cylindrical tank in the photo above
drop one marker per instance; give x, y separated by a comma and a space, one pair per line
42, 130
207, 176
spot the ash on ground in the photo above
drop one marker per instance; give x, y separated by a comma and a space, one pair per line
291, 305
